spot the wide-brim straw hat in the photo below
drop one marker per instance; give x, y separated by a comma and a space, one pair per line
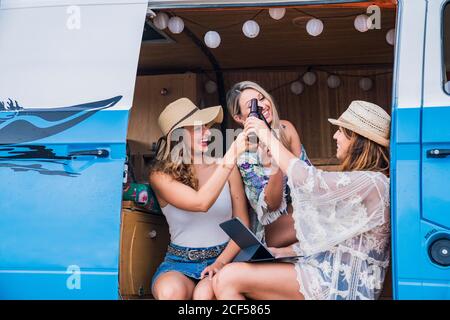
366, 119
183, 113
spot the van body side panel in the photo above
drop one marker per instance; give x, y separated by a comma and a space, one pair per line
68, 75
405, 143
420, 196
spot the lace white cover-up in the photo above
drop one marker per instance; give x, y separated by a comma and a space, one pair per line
342, 222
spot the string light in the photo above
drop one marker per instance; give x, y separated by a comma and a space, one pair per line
277, 13
365, 83
390, 37
297, 87
210, 86
161, 20
250, 29
309, 78
314, 27
212, 39
176, 25
361, 23
333, 81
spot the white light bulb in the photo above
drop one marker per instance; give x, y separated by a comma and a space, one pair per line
314, 27
210, 86
277, 13
309, 78
365, 84
161, 20
333, 81
297, 87
390, 37
361, 23
212, 39
176, 25
250, 29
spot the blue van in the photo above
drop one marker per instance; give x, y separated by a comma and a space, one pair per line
67, 82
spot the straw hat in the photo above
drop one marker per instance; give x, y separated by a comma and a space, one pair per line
366, 119
182, 113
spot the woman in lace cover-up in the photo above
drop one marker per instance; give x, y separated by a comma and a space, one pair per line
342, 219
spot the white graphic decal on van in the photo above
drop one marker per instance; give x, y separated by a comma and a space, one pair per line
20, 125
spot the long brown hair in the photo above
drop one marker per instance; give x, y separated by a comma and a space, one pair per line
365, 154
174, 162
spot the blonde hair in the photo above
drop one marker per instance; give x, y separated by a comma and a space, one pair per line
172, 164
365, 154
234, 108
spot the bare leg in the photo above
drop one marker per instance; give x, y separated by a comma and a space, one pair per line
204, 290
275, 281
173, 285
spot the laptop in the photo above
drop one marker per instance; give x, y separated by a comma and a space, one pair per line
252, 250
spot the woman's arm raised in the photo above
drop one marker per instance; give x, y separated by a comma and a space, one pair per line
273, 192
239, 205
187, 198
279, 153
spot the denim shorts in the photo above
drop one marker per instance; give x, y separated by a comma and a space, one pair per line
191, 269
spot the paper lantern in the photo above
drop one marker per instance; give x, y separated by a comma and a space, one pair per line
333, 81
212, 39
309, 78
314, 27
176, 25
161, 20
365, 84
390, 37
362, 23
210, 86
297, 87
277, 13
250, 29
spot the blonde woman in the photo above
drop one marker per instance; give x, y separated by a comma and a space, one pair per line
342, 219
195, 196
266, 187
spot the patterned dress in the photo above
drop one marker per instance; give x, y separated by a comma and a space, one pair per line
342, 222
255, 177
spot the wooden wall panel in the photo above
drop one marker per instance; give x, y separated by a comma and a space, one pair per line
310, 110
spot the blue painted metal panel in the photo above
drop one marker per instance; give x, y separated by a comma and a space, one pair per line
405, 196
418, 193
45, 286
62, 144
57, 210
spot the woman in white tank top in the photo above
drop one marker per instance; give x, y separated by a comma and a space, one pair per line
195, 196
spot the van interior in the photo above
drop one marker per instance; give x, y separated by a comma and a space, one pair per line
348, 65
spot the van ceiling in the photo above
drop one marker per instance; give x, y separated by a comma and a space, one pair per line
281, 44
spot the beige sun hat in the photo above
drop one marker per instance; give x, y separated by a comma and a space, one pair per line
182, 113
367, 119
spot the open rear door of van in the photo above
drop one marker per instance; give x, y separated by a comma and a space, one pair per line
436, 153
420, 198
68, 71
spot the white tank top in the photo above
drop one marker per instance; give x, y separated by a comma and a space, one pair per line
199, 229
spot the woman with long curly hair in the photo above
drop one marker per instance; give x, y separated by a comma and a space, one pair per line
196, 194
